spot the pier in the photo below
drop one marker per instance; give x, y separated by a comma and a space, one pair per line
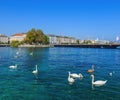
89, 45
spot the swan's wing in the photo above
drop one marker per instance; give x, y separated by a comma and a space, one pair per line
100, 82
11, 66
74, 75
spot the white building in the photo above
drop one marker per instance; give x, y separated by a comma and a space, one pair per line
18, 37
4, 38
101, 42
53, 39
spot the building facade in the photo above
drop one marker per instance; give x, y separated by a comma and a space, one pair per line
4, 39
101, 42
18, 37
54, 39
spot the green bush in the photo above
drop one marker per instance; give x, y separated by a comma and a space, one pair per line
15, 43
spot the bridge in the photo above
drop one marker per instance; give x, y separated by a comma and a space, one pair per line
4, 45
89, 45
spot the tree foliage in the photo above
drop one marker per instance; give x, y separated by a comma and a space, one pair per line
36, 37
78, 42
87, 42
15, 43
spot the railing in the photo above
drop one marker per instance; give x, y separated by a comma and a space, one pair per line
88, 45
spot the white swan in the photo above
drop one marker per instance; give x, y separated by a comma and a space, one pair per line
98, 82
110, 73
35, 71
13, 67
74, 75
17, 52
91, 70
70, 80
31, 53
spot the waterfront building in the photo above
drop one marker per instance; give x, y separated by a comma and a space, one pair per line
66, 40
18, 37
101, 42
4, 38
54, 39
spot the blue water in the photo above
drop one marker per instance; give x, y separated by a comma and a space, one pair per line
53, 64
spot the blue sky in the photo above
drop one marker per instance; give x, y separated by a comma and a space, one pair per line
82, 19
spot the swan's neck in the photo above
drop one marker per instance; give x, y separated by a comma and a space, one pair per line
36, 67
93, 68
92, 79
69, 75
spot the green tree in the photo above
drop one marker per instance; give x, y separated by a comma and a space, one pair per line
36, 37
40, 36
30, 38
45, 40
78, 42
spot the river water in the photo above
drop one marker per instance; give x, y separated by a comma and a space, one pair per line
51, 82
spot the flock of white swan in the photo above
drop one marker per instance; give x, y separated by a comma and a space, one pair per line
72, 76
15, 66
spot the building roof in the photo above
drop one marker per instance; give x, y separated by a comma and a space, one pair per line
19, 34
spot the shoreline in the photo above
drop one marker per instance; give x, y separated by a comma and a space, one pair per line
29, 46
67, 45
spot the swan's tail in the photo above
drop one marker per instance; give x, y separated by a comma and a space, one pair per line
106, 81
